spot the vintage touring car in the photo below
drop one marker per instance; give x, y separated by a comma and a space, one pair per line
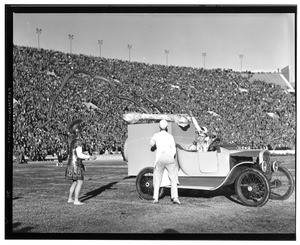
254, 176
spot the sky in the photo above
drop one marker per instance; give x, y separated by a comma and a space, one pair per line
266, 41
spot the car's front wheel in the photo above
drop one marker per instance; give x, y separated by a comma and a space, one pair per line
144, 184
282, 184
252, 188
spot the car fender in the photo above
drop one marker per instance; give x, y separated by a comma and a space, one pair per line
236, 170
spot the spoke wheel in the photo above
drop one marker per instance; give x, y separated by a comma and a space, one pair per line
144, 184
252, 188
282, 184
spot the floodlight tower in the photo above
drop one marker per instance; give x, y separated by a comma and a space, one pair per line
100, 42
204, 56
167, 53
129, 46
71, 37
39, 32
241, 56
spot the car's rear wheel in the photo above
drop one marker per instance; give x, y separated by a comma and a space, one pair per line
282, 184
252, 188
144, 184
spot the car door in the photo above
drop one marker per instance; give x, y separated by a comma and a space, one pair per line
208, 162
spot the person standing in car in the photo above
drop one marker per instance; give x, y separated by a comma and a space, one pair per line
164, 159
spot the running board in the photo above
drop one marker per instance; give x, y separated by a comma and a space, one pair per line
207, 188
197, 182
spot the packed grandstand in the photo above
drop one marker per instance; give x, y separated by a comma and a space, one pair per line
250, 114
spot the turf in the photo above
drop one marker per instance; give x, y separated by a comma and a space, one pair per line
112, 206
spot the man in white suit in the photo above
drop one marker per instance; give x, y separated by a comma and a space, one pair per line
164, 158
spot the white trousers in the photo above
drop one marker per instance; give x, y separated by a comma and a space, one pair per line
165, 161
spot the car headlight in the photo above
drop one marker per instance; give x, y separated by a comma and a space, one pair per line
264, 166
275, 166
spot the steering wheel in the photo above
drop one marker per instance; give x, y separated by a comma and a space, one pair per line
214, 144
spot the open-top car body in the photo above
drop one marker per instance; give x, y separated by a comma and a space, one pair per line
251, 172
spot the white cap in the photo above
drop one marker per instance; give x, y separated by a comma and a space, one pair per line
163, 124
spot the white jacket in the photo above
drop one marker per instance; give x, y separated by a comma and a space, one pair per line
165, 143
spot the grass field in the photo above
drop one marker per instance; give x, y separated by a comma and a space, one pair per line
112, 206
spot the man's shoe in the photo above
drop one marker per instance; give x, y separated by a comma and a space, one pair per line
78, 203
155, 201
176, 201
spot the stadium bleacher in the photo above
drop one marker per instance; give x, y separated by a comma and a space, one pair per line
240, 102
273, 78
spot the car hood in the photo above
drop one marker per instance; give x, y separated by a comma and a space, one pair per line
241, 152
245, 153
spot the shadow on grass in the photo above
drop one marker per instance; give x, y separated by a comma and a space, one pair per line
129, 177
234, 199
204, 193
97, 192
22, 230
227, 192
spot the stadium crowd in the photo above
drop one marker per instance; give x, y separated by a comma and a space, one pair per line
223, 100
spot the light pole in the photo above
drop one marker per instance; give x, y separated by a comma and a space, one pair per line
204, 55
71, 37
39, 32
167, 53
129, 46
100, 42
241, 56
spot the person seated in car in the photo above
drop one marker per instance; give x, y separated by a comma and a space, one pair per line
202, 141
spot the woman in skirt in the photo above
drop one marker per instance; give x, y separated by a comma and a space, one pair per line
75, 168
